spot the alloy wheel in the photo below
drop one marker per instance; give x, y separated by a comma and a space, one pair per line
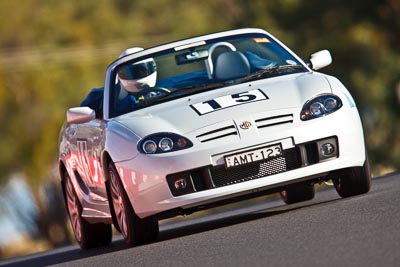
73, 209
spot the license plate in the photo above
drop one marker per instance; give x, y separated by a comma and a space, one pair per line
251, 156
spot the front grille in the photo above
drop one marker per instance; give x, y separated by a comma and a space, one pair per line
289, 161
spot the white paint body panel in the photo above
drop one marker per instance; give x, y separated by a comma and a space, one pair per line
144, 175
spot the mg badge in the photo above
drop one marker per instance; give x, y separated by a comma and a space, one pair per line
245, 125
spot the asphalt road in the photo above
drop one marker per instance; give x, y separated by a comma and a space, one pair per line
327, 231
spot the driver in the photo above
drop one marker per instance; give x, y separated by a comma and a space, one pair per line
134, 83
138, 76
133, 78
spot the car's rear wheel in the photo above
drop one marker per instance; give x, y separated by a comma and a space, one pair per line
87, 235
353, 181
135, 231
298, 193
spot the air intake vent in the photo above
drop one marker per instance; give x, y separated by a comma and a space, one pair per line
273, 121
289, 161
217, 134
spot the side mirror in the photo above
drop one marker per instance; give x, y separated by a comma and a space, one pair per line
80, 115
320, 59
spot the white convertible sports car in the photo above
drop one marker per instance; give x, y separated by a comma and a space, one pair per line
203, 122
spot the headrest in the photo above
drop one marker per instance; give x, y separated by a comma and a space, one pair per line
231, 65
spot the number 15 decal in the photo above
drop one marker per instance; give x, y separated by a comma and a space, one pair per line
229, 101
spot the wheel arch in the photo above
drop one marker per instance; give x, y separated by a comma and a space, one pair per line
105, 160
62, 170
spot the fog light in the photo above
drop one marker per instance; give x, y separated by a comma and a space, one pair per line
327, 149
180, 184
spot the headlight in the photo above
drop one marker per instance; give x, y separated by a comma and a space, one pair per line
149, 147
162, 143
320, 106
166, 144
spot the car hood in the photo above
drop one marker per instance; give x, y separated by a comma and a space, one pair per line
179, 116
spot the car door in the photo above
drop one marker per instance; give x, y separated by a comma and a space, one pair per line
88, 139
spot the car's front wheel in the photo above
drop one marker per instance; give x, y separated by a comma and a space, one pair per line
353, 181
135, 231
298, 193
87, 235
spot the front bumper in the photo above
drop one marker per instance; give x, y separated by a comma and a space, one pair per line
145, 177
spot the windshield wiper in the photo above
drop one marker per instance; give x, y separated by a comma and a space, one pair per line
198, 88
271, 70
191, 89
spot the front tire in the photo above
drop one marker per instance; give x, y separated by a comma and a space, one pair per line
87, 235
298, 193
135, 231
353, 181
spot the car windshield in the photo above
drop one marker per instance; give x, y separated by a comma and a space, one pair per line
196, 68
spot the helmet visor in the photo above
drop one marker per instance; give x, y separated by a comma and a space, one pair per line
137, 70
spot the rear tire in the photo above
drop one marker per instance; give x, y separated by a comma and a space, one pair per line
135, 231
87, 235
298, 193
353, 181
